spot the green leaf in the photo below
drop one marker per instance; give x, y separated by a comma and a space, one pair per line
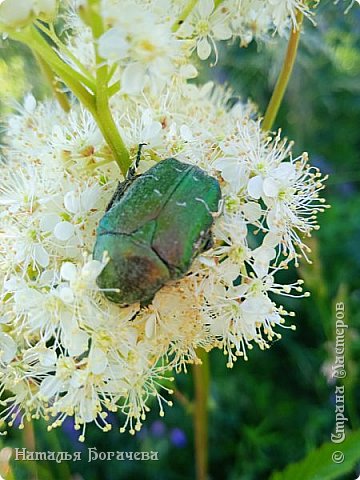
319, 464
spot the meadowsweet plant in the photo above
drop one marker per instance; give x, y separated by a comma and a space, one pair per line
123, 74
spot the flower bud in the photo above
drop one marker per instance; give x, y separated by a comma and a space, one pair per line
19, 13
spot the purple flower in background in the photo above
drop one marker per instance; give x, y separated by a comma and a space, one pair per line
17, 420
68, 428
178, 438
158, 429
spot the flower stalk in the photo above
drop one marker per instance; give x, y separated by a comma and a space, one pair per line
201, 376
103, 114
94, 97
285, 74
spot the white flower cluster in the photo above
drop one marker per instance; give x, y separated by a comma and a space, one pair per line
150, 46
65, 350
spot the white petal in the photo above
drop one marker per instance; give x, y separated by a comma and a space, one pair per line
252, 211
64, 230
255, 189
230, 148
222, 31
41, 256
88, 409
150, 326
261, 268
89, 198
68, 271
271, 187
188, 71
8, 348
203, 48
229, 271
205, 8
147, 117
76, 342
232, 172
29, 103
47, 357
66, 294
272, 240
273, 220
92, 269
252, 304
72, 202
49, 386
285, 171
48, 222
112, 45
133, 79
264, 253
151, 131
186, 133
97, 361
11, 14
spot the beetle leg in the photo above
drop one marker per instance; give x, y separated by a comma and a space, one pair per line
205, 242
209, 243
220, 209
119, 192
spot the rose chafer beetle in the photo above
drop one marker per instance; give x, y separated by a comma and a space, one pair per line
154, 227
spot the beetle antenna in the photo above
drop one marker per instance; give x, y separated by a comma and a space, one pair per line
138, 155
132, 170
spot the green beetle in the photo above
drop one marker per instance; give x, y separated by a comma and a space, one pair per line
154, 227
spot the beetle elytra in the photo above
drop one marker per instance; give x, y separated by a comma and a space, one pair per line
156, 224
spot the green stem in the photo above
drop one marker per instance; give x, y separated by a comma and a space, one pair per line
201, 375
41, 46
284, 77
33, 39
114, 88
103, 113
97, 99
183, 15
88, 80
54, 84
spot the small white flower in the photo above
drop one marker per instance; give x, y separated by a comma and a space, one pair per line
207, 25
113, 44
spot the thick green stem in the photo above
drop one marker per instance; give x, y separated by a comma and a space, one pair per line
103, 112
201, 375
284, 77
49, 31
95, 98
33, 39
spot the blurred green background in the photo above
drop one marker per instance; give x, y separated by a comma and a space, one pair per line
277, 408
